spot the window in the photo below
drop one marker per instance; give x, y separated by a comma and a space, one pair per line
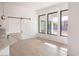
52, 23
42, 24
64, 22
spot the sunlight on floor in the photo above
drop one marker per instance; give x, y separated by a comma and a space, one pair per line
52, 45
64, 49
60, 50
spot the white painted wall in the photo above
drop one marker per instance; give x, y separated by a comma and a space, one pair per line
20, 9
73, 40
58, 7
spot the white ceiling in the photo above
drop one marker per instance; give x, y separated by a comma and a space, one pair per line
34, 5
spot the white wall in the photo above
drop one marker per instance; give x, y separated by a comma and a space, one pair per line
20, 9
58, 7
73, 40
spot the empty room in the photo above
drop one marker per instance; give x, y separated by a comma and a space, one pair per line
39, 29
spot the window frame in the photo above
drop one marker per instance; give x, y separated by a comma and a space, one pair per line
61, 22
39, 24
48, 22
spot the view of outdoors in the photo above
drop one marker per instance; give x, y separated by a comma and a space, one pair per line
64, 23
42, 24
52, 23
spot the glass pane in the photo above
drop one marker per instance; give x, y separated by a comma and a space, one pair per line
52, 23
49, 27
42, 24
64, 23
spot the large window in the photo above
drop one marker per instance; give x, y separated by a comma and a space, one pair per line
52, 23
42, 24
64, 22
